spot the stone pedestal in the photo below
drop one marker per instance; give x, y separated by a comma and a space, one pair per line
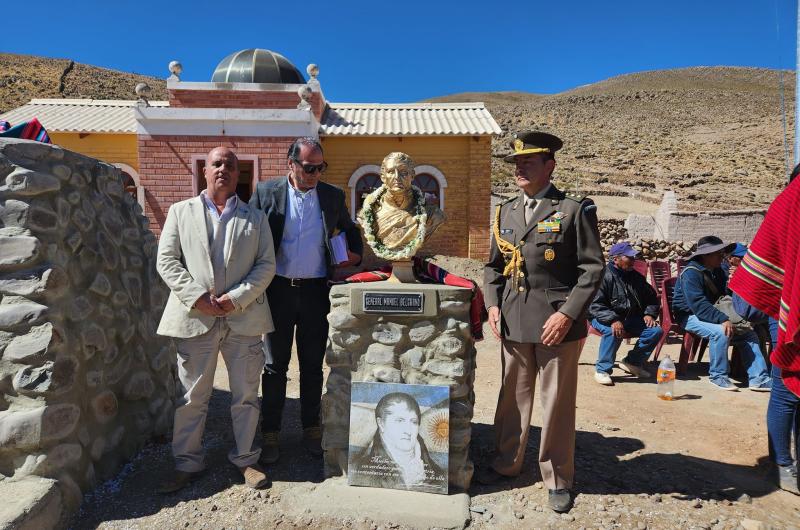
431, 347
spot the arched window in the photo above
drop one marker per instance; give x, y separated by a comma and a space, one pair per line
367, 178
429, 186
432, 182
363, 181
364, 186
131, 183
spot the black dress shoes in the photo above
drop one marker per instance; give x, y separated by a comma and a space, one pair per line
559, 500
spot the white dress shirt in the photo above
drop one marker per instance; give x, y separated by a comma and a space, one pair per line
302, 250
219, 233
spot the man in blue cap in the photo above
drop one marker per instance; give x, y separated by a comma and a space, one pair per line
624, 304
734, 259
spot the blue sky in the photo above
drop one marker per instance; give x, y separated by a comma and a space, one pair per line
406, 51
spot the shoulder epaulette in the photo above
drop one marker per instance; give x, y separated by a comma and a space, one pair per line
505, 201
574, 196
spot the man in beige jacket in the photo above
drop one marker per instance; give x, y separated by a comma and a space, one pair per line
216, 256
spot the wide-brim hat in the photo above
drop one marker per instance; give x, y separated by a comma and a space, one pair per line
709, 245
532, 142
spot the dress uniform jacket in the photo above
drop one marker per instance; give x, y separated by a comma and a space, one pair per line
563, 268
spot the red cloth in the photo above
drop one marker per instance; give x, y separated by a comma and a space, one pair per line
769, 279
370, 276
427, 271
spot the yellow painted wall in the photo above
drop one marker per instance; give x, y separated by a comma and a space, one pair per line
111, 148
451, 155
464, 160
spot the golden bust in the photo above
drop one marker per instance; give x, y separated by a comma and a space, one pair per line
395, 217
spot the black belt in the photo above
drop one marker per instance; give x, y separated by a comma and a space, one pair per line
299, 282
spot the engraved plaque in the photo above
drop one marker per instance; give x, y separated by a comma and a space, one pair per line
397, 302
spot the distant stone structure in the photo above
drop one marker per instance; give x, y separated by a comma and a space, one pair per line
434, 347
84, 379
671, 224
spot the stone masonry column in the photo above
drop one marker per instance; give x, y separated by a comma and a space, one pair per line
432, 348
84, 379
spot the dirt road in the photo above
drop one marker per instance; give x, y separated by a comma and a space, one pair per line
696, 462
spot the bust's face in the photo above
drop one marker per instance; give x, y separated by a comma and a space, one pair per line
397, 176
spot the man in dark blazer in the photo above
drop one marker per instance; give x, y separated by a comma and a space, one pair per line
304, 214
545, 264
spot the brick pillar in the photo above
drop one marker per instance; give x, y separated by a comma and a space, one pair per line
480, 171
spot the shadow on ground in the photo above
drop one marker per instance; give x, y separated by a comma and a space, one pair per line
611, 465
606, 465
133, 492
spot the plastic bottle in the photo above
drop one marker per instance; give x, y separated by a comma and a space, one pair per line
666, 379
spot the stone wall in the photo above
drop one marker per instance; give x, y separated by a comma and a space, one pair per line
434, 350
84, 380
671, 224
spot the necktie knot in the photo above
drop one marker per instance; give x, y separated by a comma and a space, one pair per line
530, 204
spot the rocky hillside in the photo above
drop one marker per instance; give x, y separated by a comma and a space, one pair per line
713, 134
24, 77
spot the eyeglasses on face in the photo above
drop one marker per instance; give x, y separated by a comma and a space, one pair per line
311, 168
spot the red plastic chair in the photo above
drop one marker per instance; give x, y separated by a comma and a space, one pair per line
689, 342
659, 271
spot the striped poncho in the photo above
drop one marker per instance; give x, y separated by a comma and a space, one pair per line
769, 279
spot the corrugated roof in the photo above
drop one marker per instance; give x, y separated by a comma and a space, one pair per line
80, 115
340, 119
421, 119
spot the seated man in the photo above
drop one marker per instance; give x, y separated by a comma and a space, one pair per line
625, 303
702, 282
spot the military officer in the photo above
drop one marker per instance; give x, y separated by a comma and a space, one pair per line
545, 264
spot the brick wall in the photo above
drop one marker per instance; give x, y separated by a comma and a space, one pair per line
479, 196
241, 99
165, 166
673, 225
729, 226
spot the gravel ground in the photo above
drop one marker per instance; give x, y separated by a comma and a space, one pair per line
696, 462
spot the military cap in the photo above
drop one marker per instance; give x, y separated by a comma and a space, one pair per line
530, 142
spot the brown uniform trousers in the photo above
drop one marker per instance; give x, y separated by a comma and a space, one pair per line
563, 270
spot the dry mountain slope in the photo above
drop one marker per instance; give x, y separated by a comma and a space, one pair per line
713, 134
25, 77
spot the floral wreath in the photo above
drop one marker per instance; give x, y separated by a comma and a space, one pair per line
420, 216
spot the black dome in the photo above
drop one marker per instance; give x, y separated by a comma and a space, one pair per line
257, 66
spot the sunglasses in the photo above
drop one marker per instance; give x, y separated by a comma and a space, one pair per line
312, 168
